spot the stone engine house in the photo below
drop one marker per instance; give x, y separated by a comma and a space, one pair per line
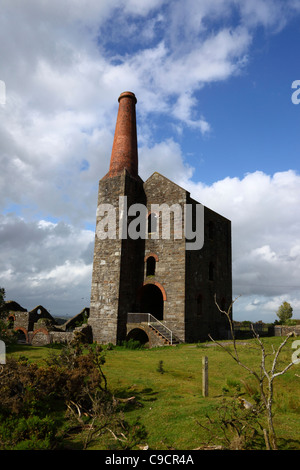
153, 288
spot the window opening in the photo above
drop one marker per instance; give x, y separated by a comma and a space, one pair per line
150, 266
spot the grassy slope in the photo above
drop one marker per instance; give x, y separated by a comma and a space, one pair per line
172, 402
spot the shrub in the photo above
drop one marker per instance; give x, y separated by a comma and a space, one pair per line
160, 367
39, 403
132, 344
31, 433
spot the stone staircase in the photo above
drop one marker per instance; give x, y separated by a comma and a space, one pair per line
165, 335
160, 330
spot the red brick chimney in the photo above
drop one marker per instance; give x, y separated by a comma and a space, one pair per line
124, 153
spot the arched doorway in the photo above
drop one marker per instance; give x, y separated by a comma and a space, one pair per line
21, 335
137, 334
152, 301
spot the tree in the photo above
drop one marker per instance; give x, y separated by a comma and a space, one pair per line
285, 312
265, 376
2, 296
6, 334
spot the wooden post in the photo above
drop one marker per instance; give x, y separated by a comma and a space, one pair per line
205, 376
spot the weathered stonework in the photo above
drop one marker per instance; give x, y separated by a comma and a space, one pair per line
38, 328
284, 330
158, 276
111, 278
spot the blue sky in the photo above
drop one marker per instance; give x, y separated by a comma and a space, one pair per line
213, 81
254, 125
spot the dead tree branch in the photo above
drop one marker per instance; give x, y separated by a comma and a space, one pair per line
268, 375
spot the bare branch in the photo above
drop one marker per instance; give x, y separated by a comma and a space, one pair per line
234, 356
116, 437
278, 352
266, 395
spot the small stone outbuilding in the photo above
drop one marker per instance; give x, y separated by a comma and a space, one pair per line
37, 326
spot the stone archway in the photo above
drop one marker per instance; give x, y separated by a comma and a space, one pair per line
138, 334
40, 337
152, 300
22, 334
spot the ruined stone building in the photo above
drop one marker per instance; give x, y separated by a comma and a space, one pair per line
153, 287
38, 328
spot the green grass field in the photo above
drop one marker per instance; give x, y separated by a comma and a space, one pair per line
169, 402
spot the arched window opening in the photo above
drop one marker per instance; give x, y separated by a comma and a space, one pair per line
150, 266
152, 223
199, 305
211, 272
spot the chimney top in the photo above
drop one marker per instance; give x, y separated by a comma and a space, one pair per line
127, 94
124, 155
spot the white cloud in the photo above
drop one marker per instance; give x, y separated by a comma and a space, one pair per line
45, 262
183, 111
64, 66
63, 78
165, 158
265, 229
66, 276
60, 80
137, 7
264, 211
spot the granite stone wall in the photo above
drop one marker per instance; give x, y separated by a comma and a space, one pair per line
208, 273
184, 281
156, 275
117, 265
170, 269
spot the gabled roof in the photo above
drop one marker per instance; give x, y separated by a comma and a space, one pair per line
165, 178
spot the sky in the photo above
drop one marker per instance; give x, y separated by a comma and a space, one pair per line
216, 113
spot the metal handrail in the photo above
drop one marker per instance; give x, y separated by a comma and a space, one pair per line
157, 321
148, 316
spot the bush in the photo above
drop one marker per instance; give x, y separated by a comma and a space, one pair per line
6, 334
31, 433
237, 428
38, 404
132, 344
34, 399
160, 367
